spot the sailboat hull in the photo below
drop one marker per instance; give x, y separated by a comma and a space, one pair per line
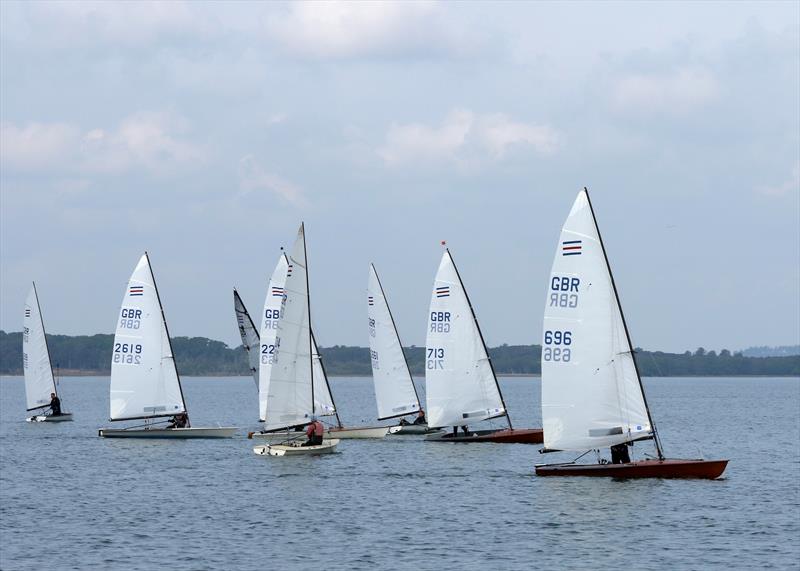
327, 447
506, 436
367, 432
410, 429
668, 468
64, 417
200, 432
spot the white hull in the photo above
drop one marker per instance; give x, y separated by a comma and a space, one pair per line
411, 429
64, 417
200, 432
327, 447
368, 432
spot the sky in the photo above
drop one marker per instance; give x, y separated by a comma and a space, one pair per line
205, 133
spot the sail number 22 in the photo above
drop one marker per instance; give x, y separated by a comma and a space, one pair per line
556, 346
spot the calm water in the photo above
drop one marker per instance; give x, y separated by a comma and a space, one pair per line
70, 500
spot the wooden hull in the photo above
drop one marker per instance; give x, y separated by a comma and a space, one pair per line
367, 432
200, 432
506, 436
327, 447
64, 417
668, 468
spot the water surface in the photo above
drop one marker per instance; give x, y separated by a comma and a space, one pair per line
71, 500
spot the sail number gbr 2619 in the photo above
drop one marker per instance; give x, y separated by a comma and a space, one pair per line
556, 346
128, 353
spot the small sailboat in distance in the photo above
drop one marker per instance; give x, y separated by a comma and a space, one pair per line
395, 392
592, 392
291, 403
39, 381
248, 332
145, 384
460, 384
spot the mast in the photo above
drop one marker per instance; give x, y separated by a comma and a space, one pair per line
625, 326
405, 359
308, 309
325, 374
44, 334
483, 342
169, 338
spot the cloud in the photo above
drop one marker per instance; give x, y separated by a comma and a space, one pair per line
253, 178
464, 134
791, 184
331, 30
140, 141
674, 92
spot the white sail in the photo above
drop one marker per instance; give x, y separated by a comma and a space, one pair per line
323, 400
248, 333
460, 385
270, 316
289, 402
394, 387
39, 381
144, 379
591, 393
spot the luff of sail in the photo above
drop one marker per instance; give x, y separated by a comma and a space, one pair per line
394, 388
39, 382
460, 384
144, 379
591, 392
290, 399
248, 333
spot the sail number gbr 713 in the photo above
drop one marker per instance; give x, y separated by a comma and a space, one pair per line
556, 346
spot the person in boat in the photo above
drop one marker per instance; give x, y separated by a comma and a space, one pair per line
463, 427
314, 432
619, 454
178, 421
55, 405
419, 420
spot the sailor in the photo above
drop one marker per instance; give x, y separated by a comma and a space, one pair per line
420, 417
55, 405
178, 421
314, 432
619, 454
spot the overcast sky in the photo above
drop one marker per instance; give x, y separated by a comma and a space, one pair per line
205, 132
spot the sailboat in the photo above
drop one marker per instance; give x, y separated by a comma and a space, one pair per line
461, 386
145, 384
39, 381
592, 392
395, 392
323, 404
248, 332
291, 402
260, 354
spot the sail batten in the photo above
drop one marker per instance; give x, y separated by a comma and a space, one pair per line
591, 391
144, 377
459, 377
395, 393
36, 364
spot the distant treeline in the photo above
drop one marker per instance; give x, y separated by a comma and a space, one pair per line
201, 356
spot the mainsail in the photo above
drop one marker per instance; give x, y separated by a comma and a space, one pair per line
290, 400
394, 388
248, 332
324, 405
461, 387
39, 381
144, 378
591, 391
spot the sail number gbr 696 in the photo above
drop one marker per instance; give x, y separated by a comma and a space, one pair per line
556, 346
